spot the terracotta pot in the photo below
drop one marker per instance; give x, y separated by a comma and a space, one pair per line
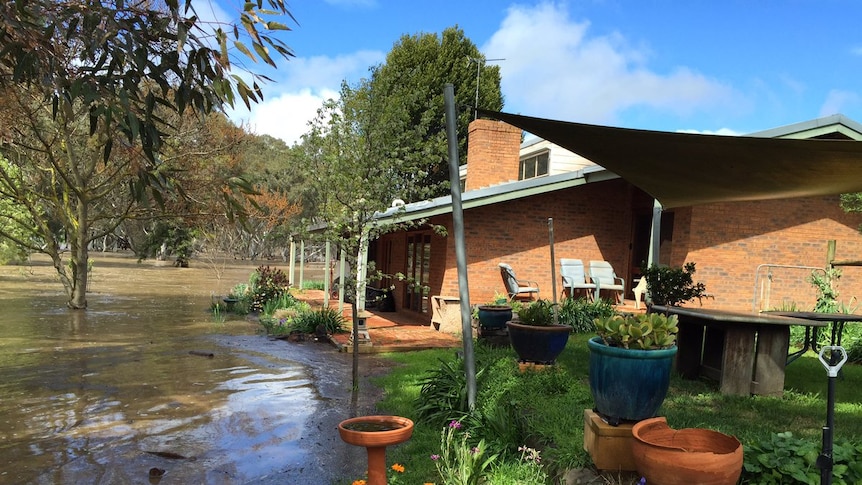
375, 433
666, 456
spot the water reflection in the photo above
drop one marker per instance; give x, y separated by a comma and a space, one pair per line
102, 396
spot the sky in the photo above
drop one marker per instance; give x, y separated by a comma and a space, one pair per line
717, 67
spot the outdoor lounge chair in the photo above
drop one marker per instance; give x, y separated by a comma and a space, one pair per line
575, 278
603, 275
517, 288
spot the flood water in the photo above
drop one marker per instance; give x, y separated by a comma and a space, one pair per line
106, 394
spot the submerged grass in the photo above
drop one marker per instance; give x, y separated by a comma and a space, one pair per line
550, 406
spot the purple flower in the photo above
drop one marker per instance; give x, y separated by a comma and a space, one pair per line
435, 457
642, 481
455, 424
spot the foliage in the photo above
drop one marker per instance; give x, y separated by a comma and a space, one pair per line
643, 331
86, 98
581, 313
443, 395
327, 320
785, 459
537, 313
408, 88
827, 294
672, 286
312, 285
547, 407
266, 284
460, 461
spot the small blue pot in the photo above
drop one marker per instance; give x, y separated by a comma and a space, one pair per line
494, 317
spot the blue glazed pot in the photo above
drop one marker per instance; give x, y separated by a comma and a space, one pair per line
628, 384
539, 344
494, 317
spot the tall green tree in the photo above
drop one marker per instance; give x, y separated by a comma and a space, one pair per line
88, 81
407, 94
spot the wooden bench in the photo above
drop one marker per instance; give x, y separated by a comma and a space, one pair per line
745, 352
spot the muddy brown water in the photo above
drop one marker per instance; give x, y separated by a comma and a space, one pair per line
102, 396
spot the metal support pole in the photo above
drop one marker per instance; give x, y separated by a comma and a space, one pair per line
460, 247
832, 365
326, 264
553, 269
301, 263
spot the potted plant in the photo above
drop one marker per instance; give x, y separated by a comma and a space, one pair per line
672, 286
494, 314
534, 334
630, 364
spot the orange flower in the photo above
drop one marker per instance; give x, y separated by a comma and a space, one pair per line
358, 482
398, 468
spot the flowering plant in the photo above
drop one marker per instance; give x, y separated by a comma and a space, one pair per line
459, 463
394, 477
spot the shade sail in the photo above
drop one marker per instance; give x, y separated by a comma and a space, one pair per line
683, 169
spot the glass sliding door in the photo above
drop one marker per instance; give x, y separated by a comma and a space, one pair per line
418, 269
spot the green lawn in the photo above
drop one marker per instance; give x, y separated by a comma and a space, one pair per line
545, 410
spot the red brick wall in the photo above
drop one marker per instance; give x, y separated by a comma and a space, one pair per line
728, 241
493, 150
517, 233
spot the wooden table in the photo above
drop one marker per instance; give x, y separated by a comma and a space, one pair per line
745, 352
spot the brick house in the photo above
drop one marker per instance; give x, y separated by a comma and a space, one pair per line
750, 255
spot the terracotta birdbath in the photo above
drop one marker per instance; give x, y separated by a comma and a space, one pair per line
375, 433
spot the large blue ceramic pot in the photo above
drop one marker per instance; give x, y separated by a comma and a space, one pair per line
541, 344
628, 384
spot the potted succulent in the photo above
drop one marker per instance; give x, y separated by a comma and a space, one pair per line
534, 334
630, 364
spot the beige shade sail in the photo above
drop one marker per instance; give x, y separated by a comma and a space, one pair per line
682, 169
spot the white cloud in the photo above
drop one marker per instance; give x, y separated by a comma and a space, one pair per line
287, 116
291, 100
555, 69
837, 101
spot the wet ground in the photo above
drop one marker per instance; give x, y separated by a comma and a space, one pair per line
147, 379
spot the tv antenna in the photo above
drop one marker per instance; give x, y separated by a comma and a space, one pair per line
479, 62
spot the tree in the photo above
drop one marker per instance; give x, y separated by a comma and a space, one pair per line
407, 92
87, 83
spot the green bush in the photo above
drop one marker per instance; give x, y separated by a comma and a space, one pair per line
580, 313
266, 284
672, 286
327, 319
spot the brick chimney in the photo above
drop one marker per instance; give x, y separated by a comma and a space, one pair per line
493, 149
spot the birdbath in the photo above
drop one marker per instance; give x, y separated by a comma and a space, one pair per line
375, 433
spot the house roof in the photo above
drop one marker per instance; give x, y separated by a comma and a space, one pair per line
495, 194
683, 169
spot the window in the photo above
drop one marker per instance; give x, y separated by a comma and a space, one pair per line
534, 166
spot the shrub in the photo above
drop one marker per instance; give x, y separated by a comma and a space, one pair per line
266, 284
328, 320
672, 286
580, 313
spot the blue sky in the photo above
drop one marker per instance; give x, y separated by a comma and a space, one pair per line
727, 66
